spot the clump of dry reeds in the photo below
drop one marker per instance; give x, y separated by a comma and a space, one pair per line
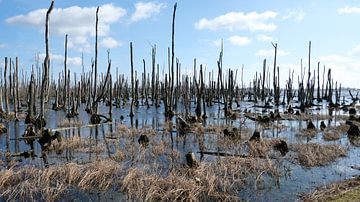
311, 155
32, 184
331, 135
328, 192
70, 122
334, 132
306, 116
262, 148
79, 144
219, 180
310, 133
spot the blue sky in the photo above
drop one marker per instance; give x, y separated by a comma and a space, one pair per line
246, 27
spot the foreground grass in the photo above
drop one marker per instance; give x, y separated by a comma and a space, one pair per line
346, 190
349, 195
220, 180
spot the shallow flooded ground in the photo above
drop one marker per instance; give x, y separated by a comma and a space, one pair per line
283, 178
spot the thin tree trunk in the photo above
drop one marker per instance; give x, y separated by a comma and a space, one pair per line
65, 73
132, 80
94, 106
46, 67
7, 105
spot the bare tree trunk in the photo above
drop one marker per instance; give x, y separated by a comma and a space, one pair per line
263, 81
10, 89
276, 95
153, 57
318, 79
46, 67
17, 84
31, 104
14, 91
170, 111
132, 80
94, 106
65, 73
110, 98
7, 104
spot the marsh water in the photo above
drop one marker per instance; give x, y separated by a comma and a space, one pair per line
295, 178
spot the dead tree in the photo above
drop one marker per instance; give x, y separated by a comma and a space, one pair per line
65, 73
153, 74
31, 100
6, 97
132, 80
94, 103
263, 81
220, 80
318, 79
110, 91
17, 103
95, 117
276, 79
169, 113
45, 80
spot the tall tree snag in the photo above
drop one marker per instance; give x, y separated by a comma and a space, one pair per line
46, 66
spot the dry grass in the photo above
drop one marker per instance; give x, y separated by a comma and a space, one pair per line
334, 132
347, 190
33, 184
2, 128
304, 117
126, 132
262, 148
70, 122
78, 144
311, 155
215, 181
310, 133
220, 180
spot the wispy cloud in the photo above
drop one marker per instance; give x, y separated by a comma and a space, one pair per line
2, 45
356, 49
77, 22
239, 40
334, 59
348, 10
297, 15
216, 42
265, 38
146, 10
271, 52
72, 61
238, 20
110, 42
345, 68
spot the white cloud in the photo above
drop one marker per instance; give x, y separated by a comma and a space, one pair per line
264, 38
334, 59
2, 45
344, 68
348, 10
294, 14
354, 50
79, 43
239, 40
216, 42
146, 10
72, 61
110, 42
238, 20
77, 22
271, 52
